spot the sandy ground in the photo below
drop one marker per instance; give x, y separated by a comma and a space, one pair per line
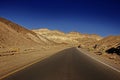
13, 63
68, 64
16, 62
103, 58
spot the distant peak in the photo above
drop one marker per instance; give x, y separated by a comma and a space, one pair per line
74, 32
46, 29
42, 29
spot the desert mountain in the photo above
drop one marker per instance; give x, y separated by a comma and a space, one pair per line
72, 38
107, 43
14, 35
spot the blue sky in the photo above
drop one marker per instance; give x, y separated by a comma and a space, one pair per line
100, 17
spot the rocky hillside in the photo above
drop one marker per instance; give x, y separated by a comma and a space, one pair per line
56, 36
13, 35
72, 38
107, 43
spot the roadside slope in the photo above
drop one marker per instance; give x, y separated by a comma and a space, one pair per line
14, 37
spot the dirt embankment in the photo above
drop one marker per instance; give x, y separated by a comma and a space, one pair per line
104, 59
108, 47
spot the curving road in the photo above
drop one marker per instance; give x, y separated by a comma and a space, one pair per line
69, 64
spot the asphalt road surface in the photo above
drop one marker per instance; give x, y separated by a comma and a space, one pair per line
69, 64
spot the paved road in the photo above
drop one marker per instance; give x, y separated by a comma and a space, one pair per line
69, 64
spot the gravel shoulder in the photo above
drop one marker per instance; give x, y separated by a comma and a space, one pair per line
102, 58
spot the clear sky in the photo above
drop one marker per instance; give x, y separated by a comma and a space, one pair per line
85, 16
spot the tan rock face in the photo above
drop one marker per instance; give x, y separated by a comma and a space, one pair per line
72, 38
108, 42
14, 35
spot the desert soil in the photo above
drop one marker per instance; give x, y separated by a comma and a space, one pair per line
12, 63
103, 58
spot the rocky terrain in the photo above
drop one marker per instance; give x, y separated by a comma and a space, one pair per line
107, 43
20, 47
14, 38
71, 38
40, 43
91, 42
108, 47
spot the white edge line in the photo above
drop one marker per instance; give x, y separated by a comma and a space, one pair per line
101, 62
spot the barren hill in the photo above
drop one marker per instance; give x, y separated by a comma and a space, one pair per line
54, 35
72, 38
13, 35
107, 43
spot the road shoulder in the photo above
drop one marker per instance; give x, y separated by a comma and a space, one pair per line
12, 64
101, 59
